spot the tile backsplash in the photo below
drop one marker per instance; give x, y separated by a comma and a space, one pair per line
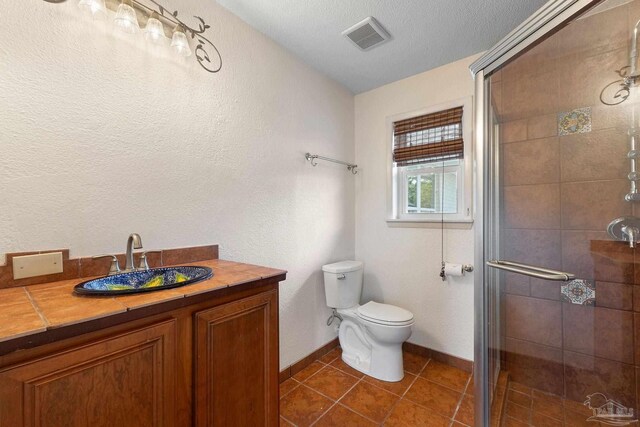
87, 267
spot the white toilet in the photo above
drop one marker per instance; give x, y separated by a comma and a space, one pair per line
371, 335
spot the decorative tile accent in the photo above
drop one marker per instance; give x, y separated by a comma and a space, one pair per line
576, 121
579, 291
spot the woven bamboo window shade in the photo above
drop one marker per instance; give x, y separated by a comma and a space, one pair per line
429, 138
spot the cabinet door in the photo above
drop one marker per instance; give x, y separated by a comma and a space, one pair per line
125, 380
237, 363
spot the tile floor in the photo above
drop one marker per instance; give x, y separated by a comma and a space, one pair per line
530, 407
330, 393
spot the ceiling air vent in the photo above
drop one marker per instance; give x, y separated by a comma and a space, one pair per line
367, 34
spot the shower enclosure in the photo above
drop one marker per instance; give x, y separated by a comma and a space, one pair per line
557, 217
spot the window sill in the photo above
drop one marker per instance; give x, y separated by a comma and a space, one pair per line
463, 224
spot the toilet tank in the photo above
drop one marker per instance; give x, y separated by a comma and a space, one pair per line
343, 283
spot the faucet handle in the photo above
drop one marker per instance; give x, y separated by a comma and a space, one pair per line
144, 265
115, 265
632, 233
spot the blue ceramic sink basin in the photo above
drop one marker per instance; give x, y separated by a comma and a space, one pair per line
136, 282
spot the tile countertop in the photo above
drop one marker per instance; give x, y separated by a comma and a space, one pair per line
38, 308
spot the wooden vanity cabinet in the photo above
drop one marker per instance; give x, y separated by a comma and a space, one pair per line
125, 380
237, 349
210, 363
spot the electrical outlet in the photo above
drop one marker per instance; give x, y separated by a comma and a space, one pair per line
37, 265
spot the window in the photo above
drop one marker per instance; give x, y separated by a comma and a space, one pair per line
431, 189
430, 168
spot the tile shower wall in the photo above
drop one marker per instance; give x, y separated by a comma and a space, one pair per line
563, 180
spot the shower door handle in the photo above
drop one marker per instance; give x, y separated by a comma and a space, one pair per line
531, 270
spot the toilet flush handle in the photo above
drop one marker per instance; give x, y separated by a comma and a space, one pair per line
341, 277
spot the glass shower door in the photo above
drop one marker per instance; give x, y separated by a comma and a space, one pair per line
563, 311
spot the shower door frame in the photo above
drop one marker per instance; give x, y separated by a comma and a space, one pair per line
543, 22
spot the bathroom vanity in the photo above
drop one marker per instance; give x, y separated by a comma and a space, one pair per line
204, 354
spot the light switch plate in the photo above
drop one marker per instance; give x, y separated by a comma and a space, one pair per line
37, 265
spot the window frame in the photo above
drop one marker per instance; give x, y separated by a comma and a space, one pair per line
426, 169
396, 185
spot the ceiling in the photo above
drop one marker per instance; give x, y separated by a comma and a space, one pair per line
425, 33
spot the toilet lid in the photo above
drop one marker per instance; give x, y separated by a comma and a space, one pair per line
384, 313
343, 267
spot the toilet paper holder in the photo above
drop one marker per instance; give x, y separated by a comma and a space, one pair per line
461, 268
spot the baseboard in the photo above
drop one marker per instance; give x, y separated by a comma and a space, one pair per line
298, 366
464, 364
457, 362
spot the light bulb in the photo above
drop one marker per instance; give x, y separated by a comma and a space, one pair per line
126, 19
180, 43
154, 31
95, 8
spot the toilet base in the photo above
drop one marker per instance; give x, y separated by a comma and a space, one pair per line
357, 362
388, 369
379, 358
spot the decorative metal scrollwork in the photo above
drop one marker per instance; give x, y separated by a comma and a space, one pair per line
619, 90
201, 53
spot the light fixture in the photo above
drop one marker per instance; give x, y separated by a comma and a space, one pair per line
186, 40
179, 42
95, 8
126, 19
154, 31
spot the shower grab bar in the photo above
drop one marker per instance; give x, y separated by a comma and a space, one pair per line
532, 271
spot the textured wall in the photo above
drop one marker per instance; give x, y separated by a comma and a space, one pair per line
101, 138
402, 264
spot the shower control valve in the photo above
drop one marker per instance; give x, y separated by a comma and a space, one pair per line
625, 229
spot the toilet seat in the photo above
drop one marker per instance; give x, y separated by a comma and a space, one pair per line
385, 314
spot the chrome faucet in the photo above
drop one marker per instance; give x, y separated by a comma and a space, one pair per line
134, 242
633, 233
625, 229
